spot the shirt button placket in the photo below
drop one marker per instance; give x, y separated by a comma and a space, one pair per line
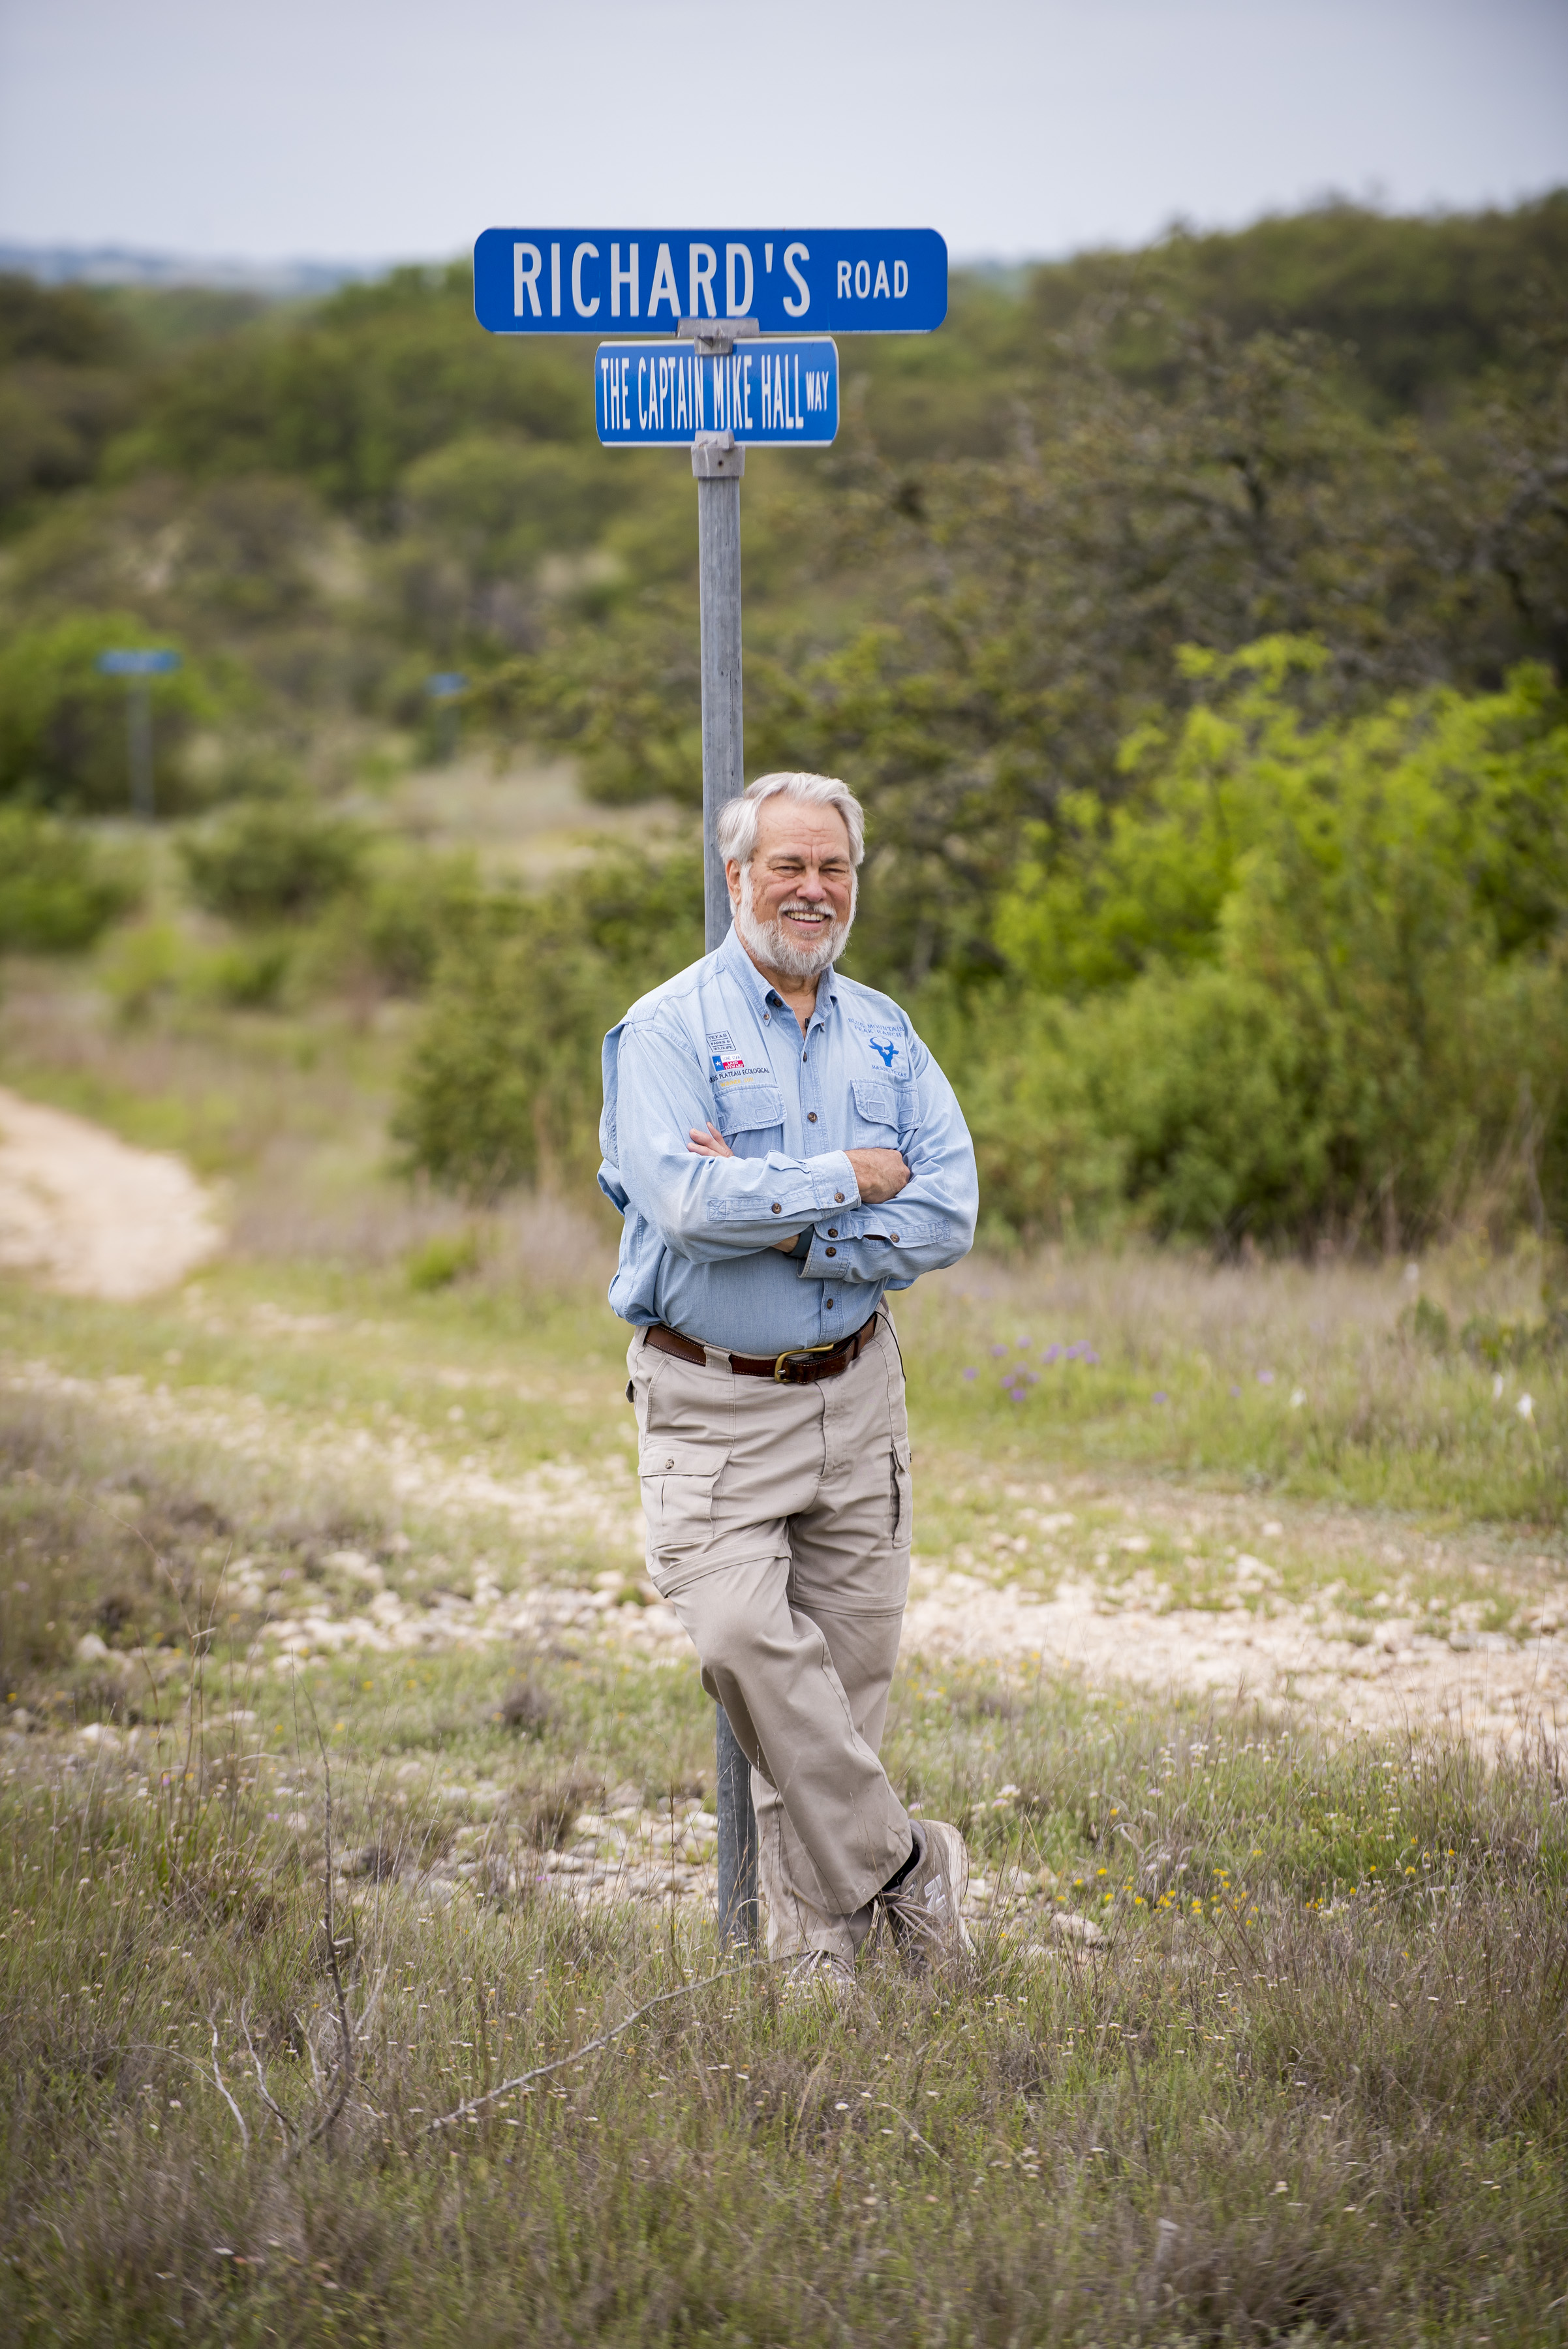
811, 1108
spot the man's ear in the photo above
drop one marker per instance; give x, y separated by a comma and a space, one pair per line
733, 875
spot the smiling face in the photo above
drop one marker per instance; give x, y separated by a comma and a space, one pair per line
795, 902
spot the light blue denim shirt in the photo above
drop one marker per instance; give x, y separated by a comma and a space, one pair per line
716, 1043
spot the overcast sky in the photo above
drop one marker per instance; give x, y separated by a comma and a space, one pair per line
347, 131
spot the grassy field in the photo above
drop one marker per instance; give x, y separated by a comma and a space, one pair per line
1297, 2075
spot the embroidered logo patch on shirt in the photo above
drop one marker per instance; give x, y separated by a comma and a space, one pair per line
735, 1069
721, 1040
886, 1043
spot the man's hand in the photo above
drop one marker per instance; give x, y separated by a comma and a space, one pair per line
707, 1141
880, 1175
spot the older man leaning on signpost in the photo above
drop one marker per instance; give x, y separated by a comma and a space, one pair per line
784, 1150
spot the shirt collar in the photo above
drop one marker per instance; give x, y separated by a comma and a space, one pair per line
736, 963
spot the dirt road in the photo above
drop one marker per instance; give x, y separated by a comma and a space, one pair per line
1311, 1659
91, 1216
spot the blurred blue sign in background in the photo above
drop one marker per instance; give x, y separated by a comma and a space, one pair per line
138, 664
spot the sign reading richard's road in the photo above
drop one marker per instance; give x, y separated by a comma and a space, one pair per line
836, 281
782, 393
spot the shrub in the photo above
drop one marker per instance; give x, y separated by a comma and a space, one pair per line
502, 1087
1305, 978
249, 977
273, 862
440, 1262
56, 891
142, 967
408, 912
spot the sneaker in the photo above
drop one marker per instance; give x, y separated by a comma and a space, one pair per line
925, 1911
819, 1974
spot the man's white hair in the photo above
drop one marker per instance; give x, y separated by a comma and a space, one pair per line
738, 818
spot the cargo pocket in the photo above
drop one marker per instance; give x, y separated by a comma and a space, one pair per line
901, 1494
678, 1482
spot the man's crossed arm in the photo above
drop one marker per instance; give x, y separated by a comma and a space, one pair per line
880, 1174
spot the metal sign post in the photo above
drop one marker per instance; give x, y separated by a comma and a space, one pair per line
444, 689
784, 293
718, 461
137, 667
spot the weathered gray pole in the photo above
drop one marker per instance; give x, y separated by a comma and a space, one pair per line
139, 729
718, 465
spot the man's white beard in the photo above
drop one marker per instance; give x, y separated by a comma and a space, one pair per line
770, 943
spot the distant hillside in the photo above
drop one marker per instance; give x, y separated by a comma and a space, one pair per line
119, 265
1338, 424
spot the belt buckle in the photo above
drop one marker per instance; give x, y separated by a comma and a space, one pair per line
795, 1354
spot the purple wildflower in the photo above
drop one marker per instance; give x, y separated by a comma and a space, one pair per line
1160, 1395
997, 1353
1052, 1354
969, 1374
1265, 1378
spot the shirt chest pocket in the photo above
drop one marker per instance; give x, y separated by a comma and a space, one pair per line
749, 1109
880, 1111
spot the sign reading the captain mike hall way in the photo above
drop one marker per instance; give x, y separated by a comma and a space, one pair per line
778, 393
833, 281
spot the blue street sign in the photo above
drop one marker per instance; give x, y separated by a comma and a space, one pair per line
777, 392
138, 664
833, 281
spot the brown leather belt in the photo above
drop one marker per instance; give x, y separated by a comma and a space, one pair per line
797, 1366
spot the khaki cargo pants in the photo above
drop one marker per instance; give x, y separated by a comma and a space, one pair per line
778, 1530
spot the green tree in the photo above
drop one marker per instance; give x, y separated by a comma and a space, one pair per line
274, 861
63, 724
57, 891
